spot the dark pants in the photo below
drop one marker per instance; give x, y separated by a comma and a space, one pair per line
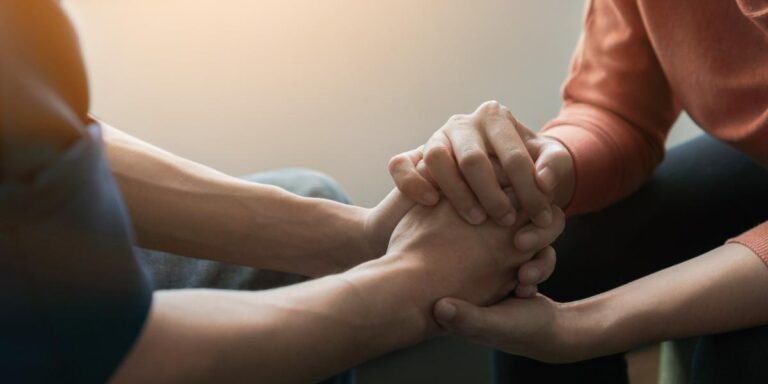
702, 194
171, 271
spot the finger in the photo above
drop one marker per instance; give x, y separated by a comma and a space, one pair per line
513, 200
526, 291
438, 156
403, 170
467, 319
501, 176
471, 155
421, 167
519, 167
507, 288
553, 165
533, 238
538, 269
525, 133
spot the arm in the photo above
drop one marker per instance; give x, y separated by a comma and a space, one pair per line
184, 207
292, 335
176, 205
618, 107
312, 330
609, 136
723, 290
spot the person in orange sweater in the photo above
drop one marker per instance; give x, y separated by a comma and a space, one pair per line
646, 255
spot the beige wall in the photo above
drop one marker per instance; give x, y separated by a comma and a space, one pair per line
336, 85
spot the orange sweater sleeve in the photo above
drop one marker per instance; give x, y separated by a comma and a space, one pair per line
755, 239
618, 107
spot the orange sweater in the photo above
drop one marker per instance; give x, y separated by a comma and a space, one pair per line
637, 65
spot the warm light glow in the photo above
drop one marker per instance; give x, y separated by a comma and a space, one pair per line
338, 85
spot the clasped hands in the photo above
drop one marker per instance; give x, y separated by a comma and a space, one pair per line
487, 192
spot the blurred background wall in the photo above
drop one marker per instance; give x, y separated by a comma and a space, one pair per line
335, 85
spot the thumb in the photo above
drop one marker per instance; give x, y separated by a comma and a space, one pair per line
465, 318
552, 166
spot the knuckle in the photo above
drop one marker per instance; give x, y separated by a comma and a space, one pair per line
394, 163
516, 159
436, 154
458, 118
498, 206
410, 184
491, 107
471, 158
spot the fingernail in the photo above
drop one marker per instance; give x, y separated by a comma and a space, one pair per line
445, 312
544, 218
430, 198
527, 241
476, 215
508, 220
547, 178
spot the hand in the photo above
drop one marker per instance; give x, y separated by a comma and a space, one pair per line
380, 221
474, 263
459, 159
538, 328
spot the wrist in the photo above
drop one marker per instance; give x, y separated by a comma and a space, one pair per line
597, 326
308, 236
351, 232
406, 288
346, 242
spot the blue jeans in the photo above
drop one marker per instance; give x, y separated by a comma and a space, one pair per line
171, 271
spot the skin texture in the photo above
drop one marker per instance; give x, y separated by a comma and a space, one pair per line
322, 326
444, 237
309, 236
460, 159
489, 164
723, 290
50, 105
331, 323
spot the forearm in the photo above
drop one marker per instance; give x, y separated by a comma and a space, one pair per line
723, 290
292, 335
184, 207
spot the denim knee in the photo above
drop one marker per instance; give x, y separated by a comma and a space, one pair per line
304, 182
